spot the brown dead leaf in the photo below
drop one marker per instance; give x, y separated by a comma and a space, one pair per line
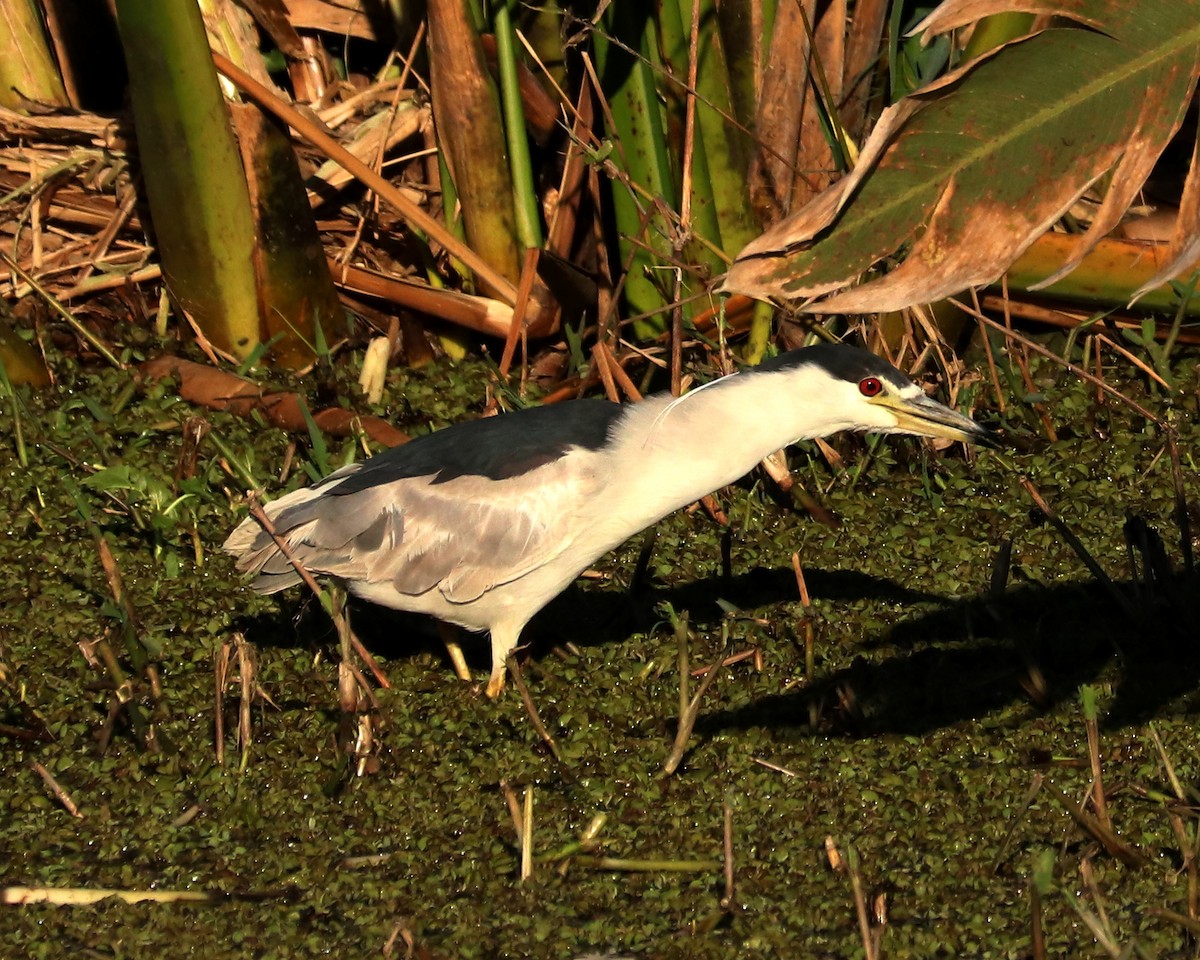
221, 390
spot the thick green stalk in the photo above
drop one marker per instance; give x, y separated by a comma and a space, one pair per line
27, 68
743, 32
529, 226
194, 178
296, 290
1107, 276
628, 82
467, 115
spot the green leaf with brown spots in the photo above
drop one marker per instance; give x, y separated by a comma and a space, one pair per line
960, 178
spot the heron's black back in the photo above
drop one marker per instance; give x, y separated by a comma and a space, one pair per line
498, 448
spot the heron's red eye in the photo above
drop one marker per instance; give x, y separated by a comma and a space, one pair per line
870, 387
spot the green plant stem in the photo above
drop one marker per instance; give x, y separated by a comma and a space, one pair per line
15, 403
528, 223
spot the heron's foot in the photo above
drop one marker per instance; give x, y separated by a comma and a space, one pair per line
495, 685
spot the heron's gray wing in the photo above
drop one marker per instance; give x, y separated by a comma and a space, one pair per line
469, 534
464, 508
463, 535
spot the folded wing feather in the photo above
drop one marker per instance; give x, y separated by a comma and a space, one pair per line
464, 536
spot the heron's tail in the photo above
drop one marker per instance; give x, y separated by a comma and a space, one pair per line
255, 550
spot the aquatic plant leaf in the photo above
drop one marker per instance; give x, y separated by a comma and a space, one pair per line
959, 179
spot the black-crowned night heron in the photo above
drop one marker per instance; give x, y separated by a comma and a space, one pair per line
483, 523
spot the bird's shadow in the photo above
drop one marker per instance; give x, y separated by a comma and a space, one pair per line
953, 660
966, 658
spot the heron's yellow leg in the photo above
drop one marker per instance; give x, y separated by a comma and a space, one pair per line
449, 634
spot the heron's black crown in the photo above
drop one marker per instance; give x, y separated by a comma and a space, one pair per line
839, 360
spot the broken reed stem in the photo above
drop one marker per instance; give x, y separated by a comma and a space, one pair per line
753, 653
801, 583
527, 835
355, 731
1170, 767
991, 359
55, 788
1088, 694
810, 660
677, 350
869, 940
727, 901
1037, 933
514, 669
1088, 876
514, 809
1188, 852
349, 698
608, 368
586, 843
247, 671
1189, 846
220, 677
116, 586
689, 709
122, 688
1022, 358
80, 896
1182, 519
600, 363
774, 766
681, 654
524, 288
335, 614
1080, 550
1136, 361
115, 706
363, 687
1190, 924
1127, 854
649, 866
1097, 926
628, 387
